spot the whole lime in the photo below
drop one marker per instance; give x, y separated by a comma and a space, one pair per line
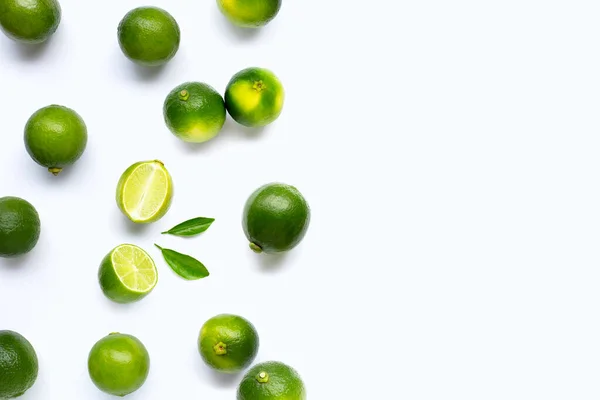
118, 364
271, 381
149, 36
18, 365
29, 21
19, 226
249, 13
254, 97
194, 112
55, 137
276, 217
228, 343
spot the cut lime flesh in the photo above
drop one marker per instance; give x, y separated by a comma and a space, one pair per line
134, 268
145, 191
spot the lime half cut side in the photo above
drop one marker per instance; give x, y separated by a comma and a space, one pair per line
144, 191
127, 274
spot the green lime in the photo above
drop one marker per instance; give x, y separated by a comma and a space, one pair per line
18, 365
194, 112
55, 137
119, 364
276, 217
271, 381
144, 191
29, 21
249, 13
149, 36
228, 343
127, 274
19, 227
254, 97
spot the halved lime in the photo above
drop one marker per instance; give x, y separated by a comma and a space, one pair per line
144, 192
127, 274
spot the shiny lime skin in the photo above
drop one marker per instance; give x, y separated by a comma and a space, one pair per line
149, 36
55, 137
276, 218
18, 365
271, 380
194, 112
29, 21
19, 227
228, 343
118, 364
249, 13
254, 97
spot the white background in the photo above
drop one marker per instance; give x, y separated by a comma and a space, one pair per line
449, 151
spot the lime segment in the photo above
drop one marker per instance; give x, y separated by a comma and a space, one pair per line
144, 191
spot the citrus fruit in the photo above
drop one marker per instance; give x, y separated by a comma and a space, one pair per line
275, 219
55, 137
254, 97
18, 365
118, 364
127, 274
149, 36
228, 343
19, 227
144, 191
29, 21
271, 381
249, 13
194, 112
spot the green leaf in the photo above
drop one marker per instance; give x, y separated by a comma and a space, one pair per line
183, 265
190, 227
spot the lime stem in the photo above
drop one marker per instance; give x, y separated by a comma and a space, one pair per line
220, 348
255, 248
262, 377
184, 95
259, 86
54, 170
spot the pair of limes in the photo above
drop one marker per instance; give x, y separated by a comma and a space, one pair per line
150, 36
195, 112
229, 344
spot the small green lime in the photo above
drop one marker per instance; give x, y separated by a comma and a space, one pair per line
271, 381
55, 137
29, 21
127, 274
118, 364
18, 365
276, 217
228, 343
249, 13
19, 227
149, 36
254, 97
194, 112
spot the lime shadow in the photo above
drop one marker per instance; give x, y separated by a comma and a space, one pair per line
272, 262
236, 32
148, 74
